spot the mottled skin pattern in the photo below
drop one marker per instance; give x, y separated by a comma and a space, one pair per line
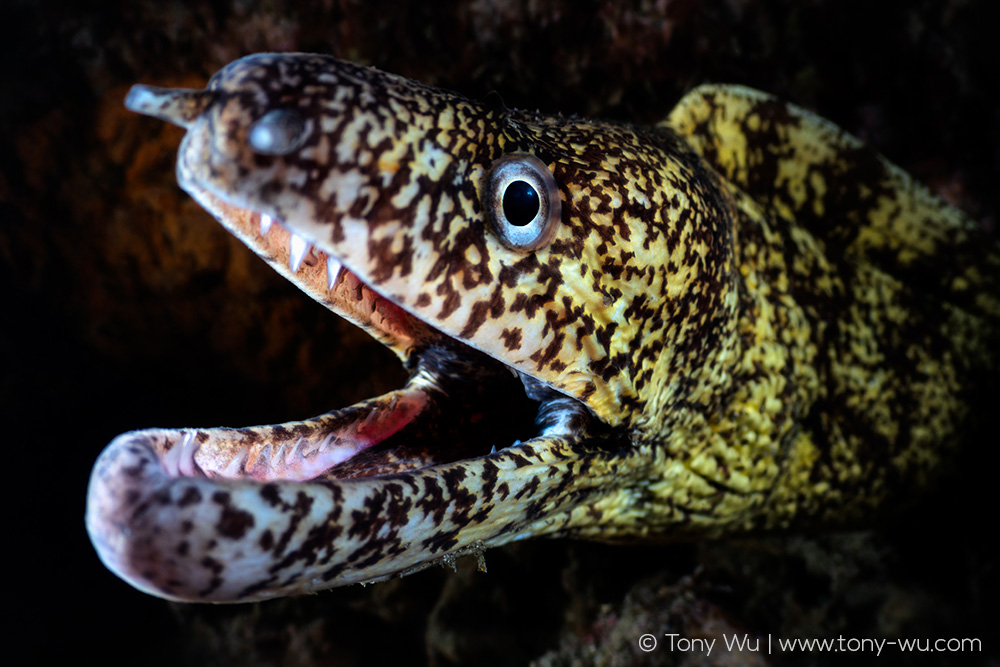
743, 321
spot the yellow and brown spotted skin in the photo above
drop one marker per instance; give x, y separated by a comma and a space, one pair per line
769, 326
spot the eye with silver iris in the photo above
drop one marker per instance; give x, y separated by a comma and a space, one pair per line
522, 201
278, 132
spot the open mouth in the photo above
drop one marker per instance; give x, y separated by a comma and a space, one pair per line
458, 403
468, 454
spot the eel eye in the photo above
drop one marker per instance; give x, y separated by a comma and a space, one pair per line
278, 132
522, 201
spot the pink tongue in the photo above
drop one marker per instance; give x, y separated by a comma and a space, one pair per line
296, 451
309, 458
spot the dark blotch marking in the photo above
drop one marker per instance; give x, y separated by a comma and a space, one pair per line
234, 523
267, 540
462, 500
191, 496
269, 492
476, 319
529, 489
441, 541
511, 338
432, 500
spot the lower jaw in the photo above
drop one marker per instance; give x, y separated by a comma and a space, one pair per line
389, 511
193, 514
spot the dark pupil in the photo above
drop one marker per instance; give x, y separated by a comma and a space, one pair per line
520, 203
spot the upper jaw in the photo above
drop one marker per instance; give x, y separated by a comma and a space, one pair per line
323, 278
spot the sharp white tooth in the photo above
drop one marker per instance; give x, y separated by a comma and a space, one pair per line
332, 271
297, 252
265, 223
325, 444
186, 466
234, 468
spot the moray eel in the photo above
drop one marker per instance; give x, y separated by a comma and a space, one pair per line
738, 320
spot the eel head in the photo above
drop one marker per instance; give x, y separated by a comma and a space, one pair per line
519, 266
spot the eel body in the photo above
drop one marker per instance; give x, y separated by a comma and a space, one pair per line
738, 320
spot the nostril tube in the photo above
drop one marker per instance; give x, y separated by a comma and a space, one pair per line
180, 106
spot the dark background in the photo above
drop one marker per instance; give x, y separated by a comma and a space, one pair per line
124, 306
